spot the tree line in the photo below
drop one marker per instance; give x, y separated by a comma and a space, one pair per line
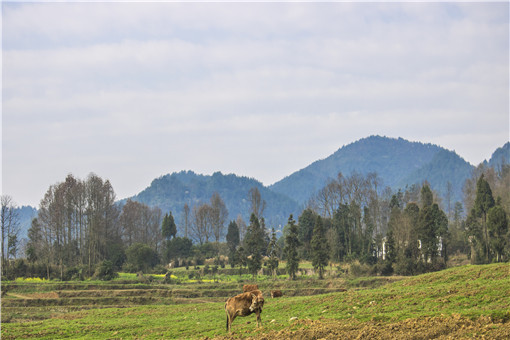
80, 228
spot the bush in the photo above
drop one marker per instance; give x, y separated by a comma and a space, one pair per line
74, 273
105, 271
159, 269
387, 268
358, 269
141, 257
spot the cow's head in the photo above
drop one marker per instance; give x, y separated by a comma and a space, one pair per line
257, 302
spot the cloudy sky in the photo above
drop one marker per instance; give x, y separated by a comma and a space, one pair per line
132, 91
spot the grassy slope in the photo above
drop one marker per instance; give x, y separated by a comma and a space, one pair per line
464, 292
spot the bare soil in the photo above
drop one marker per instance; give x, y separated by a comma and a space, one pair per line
451, 327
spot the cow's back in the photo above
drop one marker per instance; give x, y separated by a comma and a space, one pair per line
249, 288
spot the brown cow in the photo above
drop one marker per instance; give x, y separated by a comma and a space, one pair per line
276, 293
250, 288
243, 305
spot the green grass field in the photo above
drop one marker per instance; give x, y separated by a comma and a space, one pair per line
462, 293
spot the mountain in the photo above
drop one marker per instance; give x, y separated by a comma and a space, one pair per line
397, 162
170, 192
446, 166
500, 156
25, 216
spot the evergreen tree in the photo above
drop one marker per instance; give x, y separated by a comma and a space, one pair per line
320, 248
341, 224
273, 262
232, 242
291, 245
178, 248
168, 227
427, 198
255, 245
305, 229
484, 201
497, 223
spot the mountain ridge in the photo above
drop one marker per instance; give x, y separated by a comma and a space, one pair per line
374, 153
393, 159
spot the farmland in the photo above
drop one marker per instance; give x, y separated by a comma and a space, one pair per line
462, 302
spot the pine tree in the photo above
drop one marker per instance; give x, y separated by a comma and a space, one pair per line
484, 201
232, 242
291, 245
305, 229
255, 245
497, 223
320, 248
427, 198
168, 227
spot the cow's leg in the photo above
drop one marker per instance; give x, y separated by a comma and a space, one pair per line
259, 320
229, 320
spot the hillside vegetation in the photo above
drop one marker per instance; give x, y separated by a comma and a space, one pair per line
397, 162
462, 302
171, 192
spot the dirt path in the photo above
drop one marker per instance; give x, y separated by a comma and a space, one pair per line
31, 296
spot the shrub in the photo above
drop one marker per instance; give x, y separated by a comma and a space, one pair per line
105, 271
141, 257
74, 273
358, 269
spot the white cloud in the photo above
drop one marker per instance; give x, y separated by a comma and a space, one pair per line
260, 89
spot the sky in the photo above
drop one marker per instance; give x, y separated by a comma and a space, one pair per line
131, 91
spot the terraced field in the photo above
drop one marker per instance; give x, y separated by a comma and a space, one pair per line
23, 302
458, 303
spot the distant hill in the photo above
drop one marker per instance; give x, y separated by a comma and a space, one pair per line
500, 156
170, 193
398, 163
446, 166
25, 216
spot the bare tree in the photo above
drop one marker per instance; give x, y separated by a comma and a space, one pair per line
201, 228
219, 215
257, 204
140, 224
9, 221
186, 219
242, 227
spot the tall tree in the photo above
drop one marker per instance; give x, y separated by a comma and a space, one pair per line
9, 223
186, 217
484, 201
257, 204
272, 263
168, 227
201, 229
255, 244
497, 223
320, 249
233, 241
241, 224
306, 222
219, 215
290, 250
427, 198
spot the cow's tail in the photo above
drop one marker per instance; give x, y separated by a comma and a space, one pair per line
227, 323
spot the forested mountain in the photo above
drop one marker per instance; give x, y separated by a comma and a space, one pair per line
397, 162
25, 215
172, 191
500, 156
